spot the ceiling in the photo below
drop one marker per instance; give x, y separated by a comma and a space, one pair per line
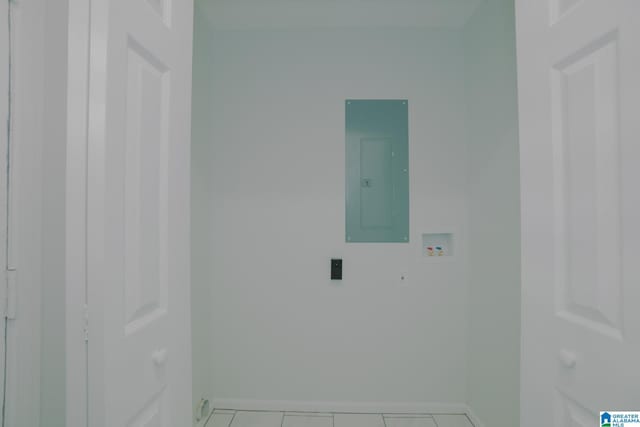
290, 14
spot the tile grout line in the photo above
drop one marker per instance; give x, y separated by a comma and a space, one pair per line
470, 422
208, 418
233, 418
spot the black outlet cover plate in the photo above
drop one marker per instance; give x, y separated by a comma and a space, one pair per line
336, 269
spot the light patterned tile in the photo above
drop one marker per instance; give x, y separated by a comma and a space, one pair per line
307, 421
409, 421
452, 421
397, 415
257, 419
219, 419
310, 414
358, 420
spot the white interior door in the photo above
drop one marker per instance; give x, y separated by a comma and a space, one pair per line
138, 213
579, 95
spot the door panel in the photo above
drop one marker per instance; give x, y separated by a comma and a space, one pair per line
579, 96
145, 188
587, 172
138, 213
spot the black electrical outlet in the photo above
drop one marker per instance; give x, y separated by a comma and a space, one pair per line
336, 269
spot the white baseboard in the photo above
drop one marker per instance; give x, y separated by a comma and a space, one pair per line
338, 407
474, 417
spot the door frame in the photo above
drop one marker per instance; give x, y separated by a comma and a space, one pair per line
29, 195
77, 313
23, 220
4, 118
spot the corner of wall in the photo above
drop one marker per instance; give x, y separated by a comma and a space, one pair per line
200, 286
494, 213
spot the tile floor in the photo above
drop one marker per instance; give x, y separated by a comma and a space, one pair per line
230, 418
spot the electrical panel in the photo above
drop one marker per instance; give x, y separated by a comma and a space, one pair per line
377, 171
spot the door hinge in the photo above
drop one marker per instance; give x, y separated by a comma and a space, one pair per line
12, 295
86, 323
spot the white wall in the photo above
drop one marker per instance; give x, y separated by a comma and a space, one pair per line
494, 260
268, 159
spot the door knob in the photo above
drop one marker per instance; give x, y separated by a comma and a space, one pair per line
568, 359
159, 357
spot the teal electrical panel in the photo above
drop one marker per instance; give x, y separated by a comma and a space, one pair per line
377, 171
